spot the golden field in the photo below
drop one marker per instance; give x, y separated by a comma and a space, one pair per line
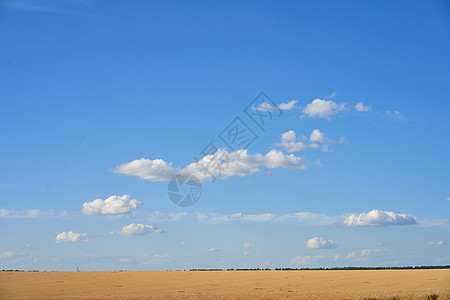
341, 284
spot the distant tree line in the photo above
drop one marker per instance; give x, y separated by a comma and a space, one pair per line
292, 269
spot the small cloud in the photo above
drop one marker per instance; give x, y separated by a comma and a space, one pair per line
114, 205
288, 106
212, 250
437, 243
139, 229
317, 136
379, 218
322, 109
321, 243
71, 237
394, 113
265, 106
182, 243
336, 257
448, 198
248, 245
361, 107
332, 95
363, 254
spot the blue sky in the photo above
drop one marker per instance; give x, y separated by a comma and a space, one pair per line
102, 102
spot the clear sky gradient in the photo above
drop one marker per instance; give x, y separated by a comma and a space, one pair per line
88, 88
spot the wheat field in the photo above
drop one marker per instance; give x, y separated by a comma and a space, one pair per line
314, 284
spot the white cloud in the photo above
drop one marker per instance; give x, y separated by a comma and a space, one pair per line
287, 106
361, 107
8, 254
265, 106
71, 237
317, 136
322, 109
363, 254
139, 229
113, 205
30, 213
321, 243
212, 250
221, 164
248, 245
379, 218
437, 243
448, 198
182, 243
291, 144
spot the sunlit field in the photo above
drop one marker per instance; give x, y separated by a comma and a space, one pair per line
354, 284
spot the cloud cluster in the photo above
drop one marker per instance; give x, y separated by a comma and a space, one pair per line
71, 237
290, 142
379, 218
139, 229
322, 109
220, 164
114, 205
321, 243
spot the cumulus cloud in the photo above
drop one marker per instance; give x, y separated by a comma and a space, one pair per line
248, 245
321, 243
221, 164
138, 229
290, 142
265, 106
212, 250
71, 237
361, 107
379, 218
114, 205
437, 243
30, 213
322, 109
